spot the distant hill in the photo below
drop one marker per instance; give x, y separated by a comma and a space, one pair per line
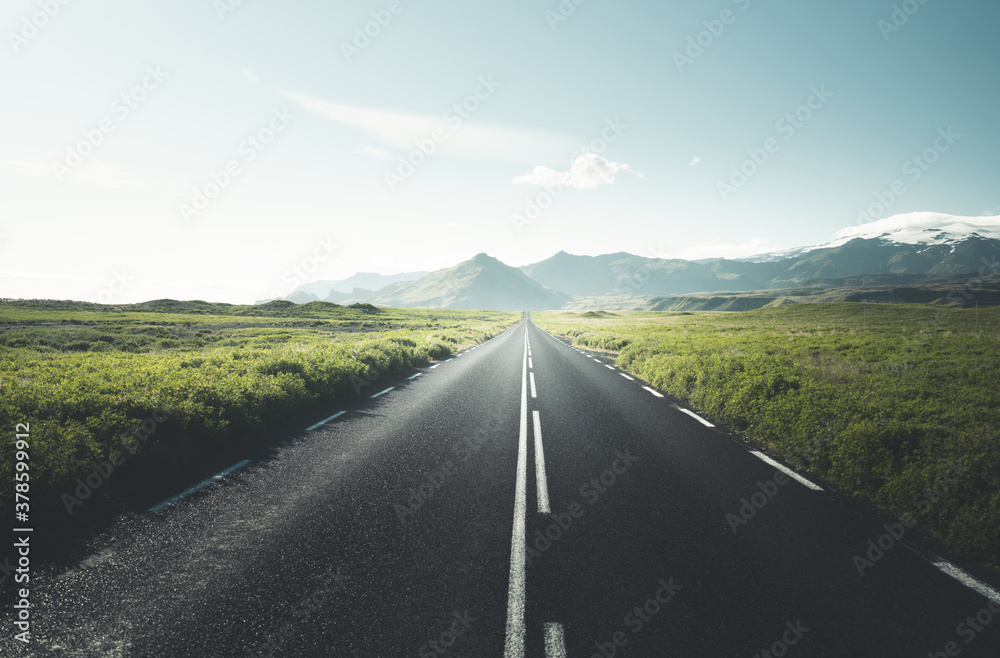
344, 289
482, 282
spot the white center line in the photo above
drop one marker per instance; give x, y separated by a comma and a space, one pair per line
555, 643
540, 481
787, 471
534, 393
626, 376
653, 391
530, 364
383, 392
514, 644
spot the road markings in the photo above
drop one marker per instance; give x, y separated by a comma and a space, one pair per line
653, 391
534, 393
609, 367
598, 360
787, 471
541, 483
530, 364
435, 366
555, 643
156, 509
447, 360
695, 416
626, 376
416, 375
325, 421
514, 644
383, 392
968, 580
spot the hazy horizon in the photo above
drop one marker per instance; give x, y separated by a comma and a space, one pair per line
205, 150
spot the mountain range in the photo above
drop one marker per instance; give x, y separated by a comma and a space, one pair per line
903, 250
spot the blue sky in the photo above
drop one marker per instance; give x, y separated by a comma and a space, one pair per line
633, 113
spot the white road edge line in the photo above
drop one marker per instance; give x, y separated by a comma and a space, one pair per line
534, 393
541, 483
968, 580
325, 421
416, 375
435, 366
383, 392
514, 643
787, 471
598, 360
653, 391
156, 509
555, 642
609, 367
695, 416
626, 376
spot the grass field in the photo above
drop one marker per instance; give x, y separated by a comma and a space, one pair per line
897, 404
157, 389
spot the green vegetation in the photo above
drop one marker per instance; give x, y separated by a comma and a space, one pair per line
880, 400
87, 377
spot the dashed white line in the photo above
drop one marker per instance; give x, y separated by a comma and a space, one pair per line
626, 376
435, 366
415, 376
325, 421
156, 509
968, 580
555, 642
541, 483
530, 365
598, 360
787, 471
514, 643
609, 367
653, 391
383, 392
534, 393
695, 416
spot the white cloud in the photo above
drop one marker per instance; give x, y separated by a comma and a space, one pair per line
753, 246
695, 160
587, 172
463, 138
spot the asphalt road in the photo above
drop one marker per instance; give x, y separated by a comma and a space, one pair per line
422, 522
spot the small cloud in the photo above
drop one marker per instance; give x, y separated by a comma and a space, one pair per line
587, 172
695, 160
753, 247
374, 152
